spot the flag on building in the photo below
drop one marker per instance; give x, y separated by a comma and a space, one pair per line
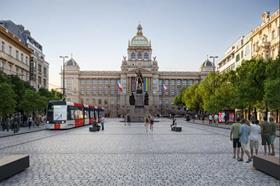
146, 84
120, 87
164, 87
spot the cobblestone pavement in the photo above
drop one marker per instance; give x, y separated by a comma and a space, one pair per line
127, 155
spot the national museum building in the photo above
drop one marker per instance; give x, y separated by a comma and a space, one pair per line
112, 89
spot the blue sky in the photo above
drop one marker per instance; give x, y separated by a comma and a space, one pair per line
182, 32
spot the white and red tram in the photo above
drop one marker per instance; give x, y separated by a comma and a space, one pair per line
64, 115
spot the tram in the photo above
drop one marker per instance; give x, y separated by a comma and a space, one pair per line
65, 115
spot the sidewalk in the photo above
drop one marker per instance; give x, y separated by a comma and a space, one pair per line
22, 130
220, 125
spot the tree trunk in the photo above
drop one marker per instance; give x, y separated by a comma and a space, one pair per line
255, 113
266, 112
277, 116
249, 113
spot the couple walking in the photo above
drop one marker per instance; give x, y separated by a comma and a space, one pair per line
149, 121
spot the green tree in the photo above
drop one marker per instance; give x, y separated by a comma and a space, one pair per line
192, 98
250, 83
272, 85
207, 89
33, 102
7, 97
178, 100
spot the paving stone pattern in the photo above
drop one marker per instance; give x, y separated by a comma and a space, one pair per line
127, 155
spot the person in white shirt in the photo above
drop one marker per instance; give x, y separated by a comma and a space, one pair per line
255, 131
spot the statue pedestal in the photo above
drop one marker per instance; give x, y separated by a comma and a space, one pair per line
137, 112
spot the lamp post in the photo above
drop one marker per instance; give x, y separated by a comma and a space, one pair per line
214, 57
63, 75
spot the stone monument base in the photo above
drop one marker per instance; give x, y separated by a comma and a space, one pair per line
137, 112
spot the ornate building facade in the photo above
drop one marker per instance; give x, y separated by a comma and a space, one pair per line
111, 89
262, 42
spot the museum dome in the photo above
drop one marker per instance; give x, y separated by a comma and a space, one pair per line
71, 62
139, 39
207, 63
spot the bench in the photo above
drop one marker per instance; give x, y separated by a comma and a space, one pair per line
13, 164
267, 164
176, 129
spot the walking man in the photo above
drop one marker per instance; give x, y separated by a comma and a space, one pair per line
244, 140
102, 122
255, 131
146, 124
216, 118
210, 119
265, 134
128, 119
29, 121
272, 135
151, 119
234, 137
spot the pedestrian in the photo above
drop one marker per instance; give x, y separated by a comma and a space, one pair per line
272, 135
125, 119
210, 119
265, 134
255, 131
128, 119
151, 119
102, 122
226, 118
146, 123
29, 121
173, 123
216, 118
244, 140
202, 117
8, 123
2, 123
234, 137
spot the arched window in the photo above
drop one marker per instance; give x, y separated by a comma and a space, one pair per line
132, 55
146, 56
139, 55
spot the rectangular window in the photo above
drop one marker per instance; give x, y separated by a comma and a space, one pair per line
39, 69
3, 46
39, 80
17, 55
10, 50
82, 81
21, 57
45, 83
45, 72
237, 58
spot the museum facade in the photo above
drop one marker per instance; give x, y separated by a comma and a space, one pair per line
112, 89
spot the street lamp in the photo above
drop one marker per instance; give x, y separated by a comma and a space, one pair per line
213, 57
63, 75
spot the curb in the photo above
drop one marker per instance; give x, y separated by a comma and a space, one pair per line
14, 134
